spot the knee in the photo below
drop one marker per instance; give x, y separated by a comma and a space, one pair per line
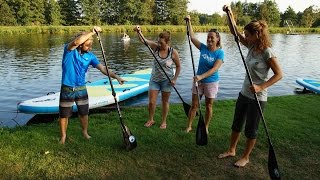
251, 134
209, 107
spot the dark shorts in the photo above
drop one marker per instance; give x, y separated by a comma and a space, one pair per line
247, 111
69, 96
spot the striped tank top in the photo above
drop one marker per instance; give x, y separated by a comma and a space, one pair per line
157, 74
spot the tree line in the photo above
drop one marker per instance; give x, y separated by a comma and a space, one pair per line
143, 12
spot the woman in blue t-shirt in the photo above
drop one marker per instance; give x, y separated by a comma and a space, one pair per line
207, 76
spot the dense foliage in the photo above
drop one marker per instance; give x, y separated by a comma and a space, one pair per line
146, 12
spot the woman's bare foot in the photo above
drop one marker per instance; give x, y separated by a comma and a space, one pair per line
188, 129
62, 140
241, 162
226, 154
86, 135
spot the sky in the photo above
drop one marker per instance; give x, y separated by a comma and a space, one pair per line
215, 6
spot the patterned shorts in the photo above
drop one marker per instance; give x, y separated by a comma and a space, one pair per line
69, 96
210, 90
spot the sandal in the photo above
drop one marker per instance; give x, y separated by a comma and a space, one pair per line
149, 123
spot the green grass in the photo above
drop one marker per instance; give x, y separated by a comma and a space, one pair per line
33, 152
129, 28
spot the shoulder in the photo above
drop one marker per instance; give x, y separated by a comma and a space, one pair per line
203, 46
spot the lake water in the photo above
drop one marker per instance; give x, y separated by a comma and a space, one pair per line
30, 66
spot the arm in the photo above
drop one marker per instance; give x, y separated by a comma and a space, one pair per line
82, 38
152, 44
194, 40
215, 67
112, 74
176, 60
233, 23
277, 75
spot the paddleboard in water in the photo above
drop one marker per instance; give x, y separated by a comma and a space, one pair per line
99, 92
310, 84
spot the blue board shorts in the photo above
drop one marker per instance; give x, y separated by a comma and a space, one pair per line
69, 95
163, 86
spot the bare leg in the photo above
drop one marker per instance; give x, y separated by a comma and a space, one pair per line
235, 136
84, 126
209, 104
153, 94
165, 109
192, 112
63, 129
245, 157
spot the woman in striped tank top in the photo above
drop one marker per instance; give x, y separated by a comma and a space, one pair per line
166, 56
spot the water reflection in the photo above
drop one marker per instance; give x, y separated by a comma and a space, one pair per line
30, 65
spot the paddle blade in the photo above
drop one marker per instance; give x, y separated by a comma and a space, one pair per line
201, 134
274, 172
129, 140
186, 108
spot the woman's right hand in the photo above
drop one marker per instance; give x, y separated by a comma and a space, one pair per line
137, 28
96, 29
226, 8
187, 18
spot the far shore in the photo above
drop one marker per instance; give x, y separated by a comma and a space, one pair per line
5, 30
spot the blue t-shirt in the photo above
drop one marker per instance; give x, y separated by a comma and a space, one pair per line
206, 62
75, 66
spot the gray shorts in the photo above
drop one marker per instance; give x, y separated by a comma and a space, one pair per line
247, 111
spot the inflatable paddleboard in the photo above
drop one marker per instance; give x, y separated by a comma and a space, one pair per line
99, 92
310, 84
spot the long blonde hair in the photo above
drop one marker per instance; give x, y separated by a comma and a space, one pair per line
261, 28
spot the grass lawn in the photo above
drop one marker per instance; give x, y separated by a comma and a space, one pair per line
33, 152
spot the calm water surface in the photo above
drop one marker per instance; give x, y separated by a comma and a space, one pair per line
30, 65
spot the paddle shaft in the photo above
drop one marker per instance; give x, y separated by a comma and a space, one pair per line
272, 156
201, 133
110, 80
145, 42
193, 67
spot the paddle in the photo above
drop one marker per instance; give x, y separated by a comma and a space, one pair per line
274, 172
186, 106
129, 140
201, 133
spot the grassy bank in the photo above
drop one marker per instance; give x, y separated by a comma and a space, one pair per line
33, 152
127, 28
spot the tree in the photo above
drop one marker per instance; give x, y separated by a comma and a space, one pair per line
21, 11
145, 12
112, 12
90, 12
37, 12
288, 15
70, 11
6, 18
177, 9
160, 12
269, 12
307, 18
52, 13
